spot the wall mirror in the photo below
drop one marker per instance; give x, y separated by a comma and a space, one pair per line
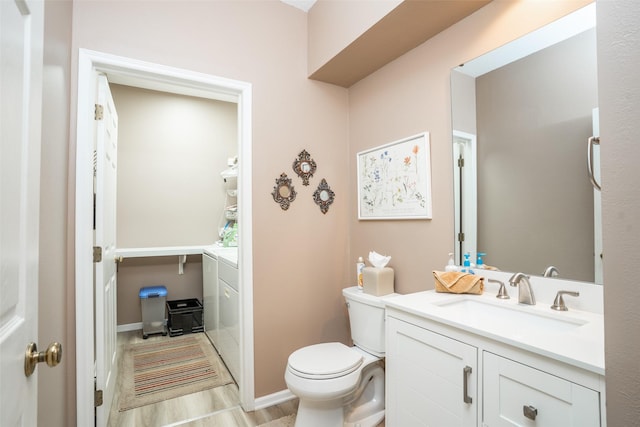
304, 166
521, 118
323, 196
283, 192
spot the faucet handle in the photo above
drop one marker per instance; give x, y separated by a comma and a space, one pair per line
558, 303
502, 292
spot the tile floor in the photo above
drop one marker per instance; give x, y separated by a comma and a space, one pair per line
216, 407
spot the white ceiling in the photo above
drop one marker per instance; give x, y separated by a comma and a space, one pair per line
300, 4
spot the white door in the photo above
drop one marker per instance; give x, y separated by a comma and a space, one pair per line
106, 149
21, 38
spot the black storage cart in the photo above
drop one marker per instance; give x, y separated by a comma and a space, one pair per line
185, 317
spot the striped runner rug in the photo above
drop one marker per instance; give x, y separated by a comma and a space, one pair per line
169, 367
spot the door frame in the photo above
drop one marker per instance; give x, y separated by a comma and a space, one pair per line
168, 79
465, 144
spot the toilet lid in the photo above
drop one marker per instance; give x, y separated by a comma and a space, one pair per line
324, 361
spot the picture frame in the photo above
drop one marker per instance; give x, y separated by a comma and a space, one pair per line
394, 180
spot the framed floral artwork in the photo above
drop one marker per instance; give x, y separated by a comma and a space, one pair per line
394, 180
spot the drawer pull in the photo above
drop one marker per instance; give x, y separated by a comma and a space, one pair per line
465, 384
529, 412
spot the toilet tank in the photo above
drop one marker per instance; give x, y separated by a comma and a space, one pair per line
366, 316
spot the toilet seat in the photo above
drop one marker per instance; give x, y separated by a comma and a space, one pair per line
324, 361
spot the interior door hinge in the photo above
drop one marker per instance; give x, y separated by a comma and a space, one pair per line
460, 237
97, 254
460, 162
97, 398
98, 112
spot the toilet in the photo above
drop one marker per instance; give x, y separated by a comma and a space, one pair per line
339, 385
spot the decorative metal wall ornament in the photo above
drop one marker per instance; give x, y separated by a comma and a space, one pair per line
283, 192
323, 196
304, 166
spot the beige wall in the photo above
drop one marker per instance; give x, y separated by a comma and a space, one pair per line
295, 295
171, 150
56, 321
334, 25
135, 273
619, 89
299, 254
411, 95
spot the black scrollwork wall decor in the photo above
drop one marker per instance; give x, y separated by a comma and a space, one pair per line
304, 166
323, 196
283, 192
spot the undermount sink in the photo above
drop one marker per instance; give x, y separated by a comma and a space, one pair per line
500, 316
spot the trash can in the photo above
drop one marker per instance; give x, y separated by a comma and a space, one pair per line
153, 300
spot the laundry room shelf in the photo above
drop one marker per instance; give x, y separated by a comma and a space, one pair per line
159, 251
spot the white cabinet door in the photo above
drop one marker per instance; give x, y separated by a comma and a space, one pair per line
431, 378
512, 390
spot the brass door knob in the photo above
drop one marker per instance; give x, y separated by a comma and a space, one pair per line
52, 356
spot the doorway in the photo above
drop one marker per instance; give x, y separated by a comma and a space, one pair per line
166, 79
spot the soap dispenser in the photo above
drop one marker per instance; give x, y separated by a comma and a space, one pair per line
451, 266
466, 265
480, 261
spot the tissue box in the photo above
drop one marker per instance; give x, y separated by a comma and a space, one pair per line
377, 281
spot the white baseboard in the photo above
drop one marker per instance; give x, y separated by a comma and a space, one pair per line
129, 327
273, 399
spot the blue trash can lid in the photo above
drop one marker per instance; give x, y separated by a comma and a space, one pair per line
153, 291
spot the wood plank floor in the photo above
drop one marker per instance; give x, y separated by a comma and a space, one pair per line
216, 407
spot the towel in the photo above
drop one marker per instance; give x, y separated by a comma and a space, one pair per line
458, 283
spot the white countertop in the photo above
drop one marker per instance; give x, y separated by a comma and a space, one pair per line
581, 346
228, 254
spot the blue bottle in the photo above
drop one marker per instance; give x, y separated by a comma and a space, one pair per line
466, 265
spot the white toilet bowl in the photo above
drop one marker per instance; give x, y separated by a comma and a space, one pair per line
337, 386
340, 386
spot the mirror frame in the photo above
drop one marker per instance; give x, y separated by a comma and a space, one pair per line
304, 158
283, 182
323, 187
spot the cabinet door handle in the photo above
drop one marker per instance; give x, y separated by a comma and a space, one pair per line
465, 384
529, 412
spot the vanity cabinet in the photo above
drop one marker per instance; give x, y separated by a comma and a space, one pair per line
440, 375
516, 394
431, 379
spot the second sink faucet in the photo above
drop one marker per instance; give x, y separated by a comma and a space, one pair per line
525, 293
550, 271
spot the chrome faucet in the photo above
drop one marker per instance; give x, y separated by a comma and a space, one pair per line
525, 293
551, 271
558, 303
